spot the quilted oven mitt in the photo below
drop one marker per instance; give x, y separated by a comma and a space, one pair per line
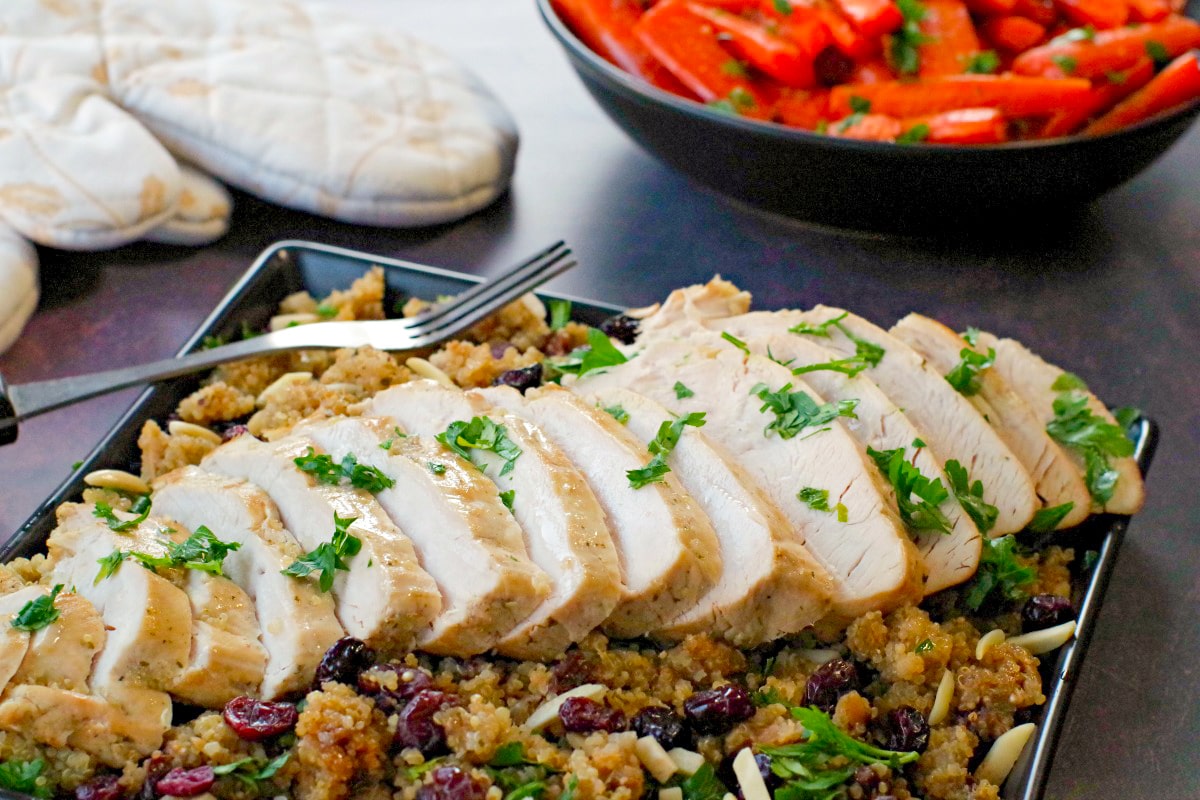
115, 113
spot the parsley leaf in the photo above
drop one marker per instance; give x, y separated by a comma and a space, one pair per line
618, 413
999, 572
1095, 439
22, 776
795, 411
971, 335
865, 352
38, 613
820, 329
386, 444
510, 754
917, 133
682, 392
325, 470
903, 53
1158, 51
984, 62
966, 377
141, 507
329, 556
849, 366
970, 497
924, 646
734, 69
703, 785
211, 342
436, 468
532, 789
250, 771
598, 353
109, 565
1047, 519
481, 433
783, 7
818, 500
1065, 63
1068, 381
327, 311
560, 313
1127, 416
660, 447
201, 551
508, 497
572, 787
917, 496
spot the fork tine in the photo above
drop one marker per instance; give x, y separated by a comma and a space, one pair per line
482, 291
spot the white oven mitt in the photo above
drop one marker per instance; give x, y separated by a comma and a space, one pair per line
102, 101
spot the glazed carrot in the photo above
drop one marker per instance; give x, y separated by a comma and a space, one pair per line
1042, 12
1016, 96
807, 29
1110, 50
1100, 14
950, 38
773, 54
1176, 85
846, 37
803, 108
875, 70
871, 17
988, 8
1104, 95
606, 26
1148, 10
1013, 34
678, 40
962, 126
867, 127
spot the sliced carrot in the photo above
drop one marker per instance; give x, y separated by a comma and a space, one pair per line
1016, 96
846, 37
950, 38
1148, 10
1100, 14
679, 41
1104, 95
989, 8
876, 70
1042, 12
1176, 85
872, 17
803, 108
1012, 34
962, 126
773, 54
867, 127
1110, 50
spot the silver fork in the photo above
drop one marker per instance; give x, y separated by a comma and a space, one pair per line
437, 324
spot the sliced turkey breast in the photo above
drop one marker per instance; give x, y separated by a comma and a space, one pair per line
385, 598
869, 557
1054, 476
667, 548
566, 534
465, 536
297, 621
61, 654
769, 586
949, 558
14, 644
1033, 378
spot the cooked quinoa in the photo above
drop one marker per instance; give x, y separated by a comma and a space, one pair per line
347, 740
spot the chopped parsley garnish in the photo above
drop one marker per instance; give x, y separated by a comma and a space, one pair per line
820, 329
1047, 519
141, 507
1065, 63
865, 352
682, 391
849, 366
508, 497
436, 468
999, 572
971, 335
1095, 439
966, 377
703, 784
330, 556
516, 774
510, 754
914, 135
1158, 51
598, 353
327, 471
985, 62
560, 313
572, 787
734, 69
859, 108
795, 411
109, 565
660, 447
859, 105
1126, 416
783, 7
201, 551
211, 342
618, 413
250, 771
903, 53
481, 433
737, 101
22, 776
39, 612
818, 500
386, 444
1068, 381
736, 342
924, 646
1116, 77
917, 496
327, 311
970, 497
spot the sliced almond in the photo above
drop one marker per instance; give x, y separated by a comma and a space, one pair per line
1004, 753
987, 642
941, 701
178, 427
547, 712
422, 368
280, 387
745, 768
118, 480
686, 761
670, 793
655, 759
1046, 640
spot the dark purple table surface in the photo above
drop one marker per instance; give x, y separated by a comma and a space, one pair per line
1113, 295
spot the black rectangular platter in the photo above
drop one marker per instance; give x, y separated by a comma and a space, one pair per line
292, 266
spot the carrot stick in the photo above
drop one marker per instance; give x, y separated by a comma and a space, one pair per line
1110, 50
1015, 96
776, 56
1148, 10
1100, 14
846, 37
1104, 95
1042, 12
1013, 34
677, 38
803, 108
606, 27
875, 70
951, 38
1176, 85
963, 126
871, 17
867, 127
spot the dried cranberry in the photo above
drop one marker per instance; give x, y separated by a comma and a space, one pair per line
867, 778
416, 728
667, 727
622, 327
521, 379
832, 66
763, 761
451, 783
255, 720
156, 767
186, 782
728, 777
717, 710
905, 730
831, 680
581, 715
345, 661
1046, 611
570, 671
409, 681
101, 787
233, 431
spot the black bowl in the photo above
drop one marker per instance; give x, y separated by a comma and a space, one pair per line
868, 185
